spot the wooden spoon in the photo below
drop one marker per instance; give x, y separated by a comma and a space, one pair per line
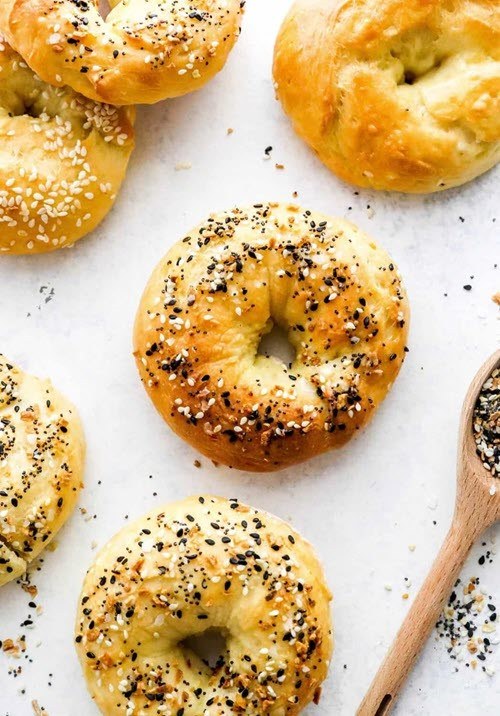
477, 507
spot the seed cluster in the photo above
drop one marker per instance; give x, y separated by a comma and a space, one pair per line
201, 564
39, 470
487, 424
468, 625
55, 190
340, 300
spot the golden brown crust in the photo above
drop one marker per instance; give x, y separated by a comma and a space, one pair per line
41, 466
142, 52
200, 564
66, 159
220, 289
393, 94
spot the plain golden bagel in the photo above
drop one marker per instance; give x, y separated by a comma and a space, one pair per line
402, 95
41, 466
142, 52
63, 161
221, 288
187, 569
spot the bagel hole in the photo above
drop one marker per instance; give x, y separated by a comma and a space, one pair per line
409, 77
275, 344
210, 647
26, 110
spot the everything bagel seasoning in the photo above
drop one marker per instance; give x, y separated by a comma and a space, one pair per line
487, 424
337, 296
467, 626
203, 564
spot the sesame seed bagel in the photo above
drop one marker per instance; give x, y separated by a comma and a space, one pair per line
221, 288
63, 162
142, 52
41, 466
204, 564
402, 95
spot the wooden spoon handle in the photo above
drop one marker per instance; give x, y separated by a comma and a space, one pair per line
419, 622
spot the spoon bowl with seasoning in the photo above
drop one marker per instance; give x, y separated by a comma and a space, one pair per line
477, 508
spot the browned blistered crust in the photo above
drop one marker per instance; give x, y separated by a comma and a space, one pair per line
401, 95
220, 289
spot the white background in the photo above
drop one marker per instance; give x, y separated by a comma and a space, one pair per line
361, 507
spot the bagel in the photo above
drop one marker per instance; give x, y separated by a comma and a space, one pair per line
41, 466
401, 95
224, 286
204, 564
142, 52
64, 158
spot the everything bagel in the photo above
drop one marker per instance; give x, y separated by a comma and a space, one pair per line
221, 288
142, 52
201, 564
63, 160
41, 466
401, 95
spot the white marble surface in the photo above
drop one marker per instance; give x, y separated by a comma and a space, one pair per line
361, 507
